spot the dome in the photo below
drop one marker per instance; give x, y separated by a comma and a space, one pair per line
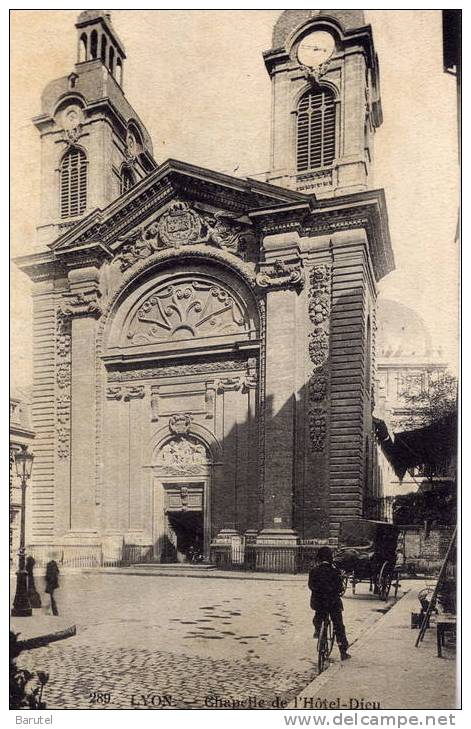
289, 20
87, 16
401, 332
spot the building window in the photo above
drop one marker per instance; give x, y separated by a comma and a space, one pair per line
73, 183
127, 180
315, 135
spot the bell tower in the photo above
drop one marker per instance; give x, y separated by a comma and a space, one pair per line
326, 101
93, 145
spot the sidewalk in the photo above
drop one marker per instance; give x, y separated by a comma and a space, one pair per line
41, 629
386, 670
190, 571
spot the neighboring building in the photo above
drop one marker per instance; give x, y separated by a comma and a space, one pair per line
21, 434
406, 364
204, 344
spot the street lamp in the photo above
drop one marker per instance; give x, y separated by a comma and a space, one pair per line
21, 605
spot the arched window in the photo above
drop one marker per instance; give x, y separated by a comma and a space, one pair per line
83, 48
119, 71
127, 180
94, 44
111, 61
315, 134
103, 49
73, 183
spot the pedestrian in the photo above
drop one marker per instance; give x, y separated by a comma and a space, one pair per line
52, 583
33, 595
325, 583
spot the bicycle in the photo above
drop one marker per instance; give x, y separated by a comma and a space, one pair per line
325, 643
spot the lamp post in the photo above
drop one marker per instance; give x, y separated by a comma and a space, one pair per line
21, 605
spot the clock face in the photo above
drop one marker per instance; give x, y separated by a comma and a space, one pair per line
315, 48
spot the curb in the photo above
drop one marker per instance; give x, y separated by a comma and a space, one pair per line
203, 573
322, 678
42, 640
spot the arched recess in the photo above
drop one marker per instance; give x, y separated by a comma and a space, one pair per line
182, 475
186, 307
180, 347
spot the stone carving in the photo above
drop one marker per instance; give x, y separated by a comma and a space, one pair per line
318, 346
318, 384
63, 382
114, 393
281, 275
180, 424
165, 370
229, 383
134, 392
182, 455
180, 225
317, 428
83, 303
317, 387
185, 310
314, 74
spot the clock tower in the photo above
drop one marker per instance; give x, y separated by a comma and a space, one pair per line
325, 101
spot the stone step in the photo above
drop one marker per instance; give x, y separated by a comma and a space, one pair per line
172, 566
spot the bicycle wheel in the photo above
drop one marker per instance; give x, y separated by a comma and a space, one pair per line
330, 637
323, 646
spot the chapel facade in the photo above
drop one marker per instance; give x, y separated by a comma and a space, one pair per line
204, 344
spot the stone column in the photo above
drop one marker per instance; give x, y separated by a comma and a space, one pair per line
282, 277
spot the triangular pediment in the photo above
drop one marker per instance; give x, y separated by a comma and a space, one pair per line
178, 204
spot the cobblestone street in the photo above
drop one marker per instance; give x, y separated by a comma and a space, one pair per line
200, 641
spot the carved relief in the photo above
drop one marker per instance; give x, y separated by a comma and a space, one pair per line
83, 303
180, 424
182, 455
209, 399
181, 225
135, 392
192, 308
229, 383
63, 382
165, 370
114, 393
318, 384
317, 428
281, 275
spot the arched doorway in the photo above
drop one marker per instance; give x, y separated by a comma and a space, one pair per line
181, 409
182, 500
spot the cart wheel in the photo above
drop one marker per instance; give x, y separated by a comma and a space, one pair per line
344, 584
384, 581
396, 583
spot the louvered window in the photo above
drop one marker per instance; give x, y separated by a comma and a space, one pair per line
73, 185
316, 130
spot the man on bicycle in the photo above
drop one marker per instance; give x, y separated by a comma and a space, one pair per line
325, 583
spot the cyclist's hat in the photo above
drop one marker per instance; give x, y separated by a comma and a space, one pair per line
324, 554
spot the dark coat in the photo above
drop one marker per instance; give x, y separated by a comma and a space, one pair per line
52, 576
325, 583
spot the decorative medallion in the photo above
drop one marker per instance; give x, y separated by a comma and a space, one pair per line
180, 424
179, 226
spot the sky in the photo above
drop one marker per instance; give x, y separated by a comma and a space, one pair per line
198, 82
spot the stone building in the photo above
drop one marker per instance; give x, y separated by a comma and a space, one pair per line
21, 434
204, 344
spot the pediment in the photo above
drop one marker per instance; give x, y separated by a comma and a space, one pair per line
176, 205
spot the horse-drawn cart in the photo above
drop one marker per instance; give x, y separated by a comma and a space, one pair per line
367, 551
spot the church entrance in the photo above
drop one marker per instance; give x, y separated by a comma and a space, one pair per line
186, 529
